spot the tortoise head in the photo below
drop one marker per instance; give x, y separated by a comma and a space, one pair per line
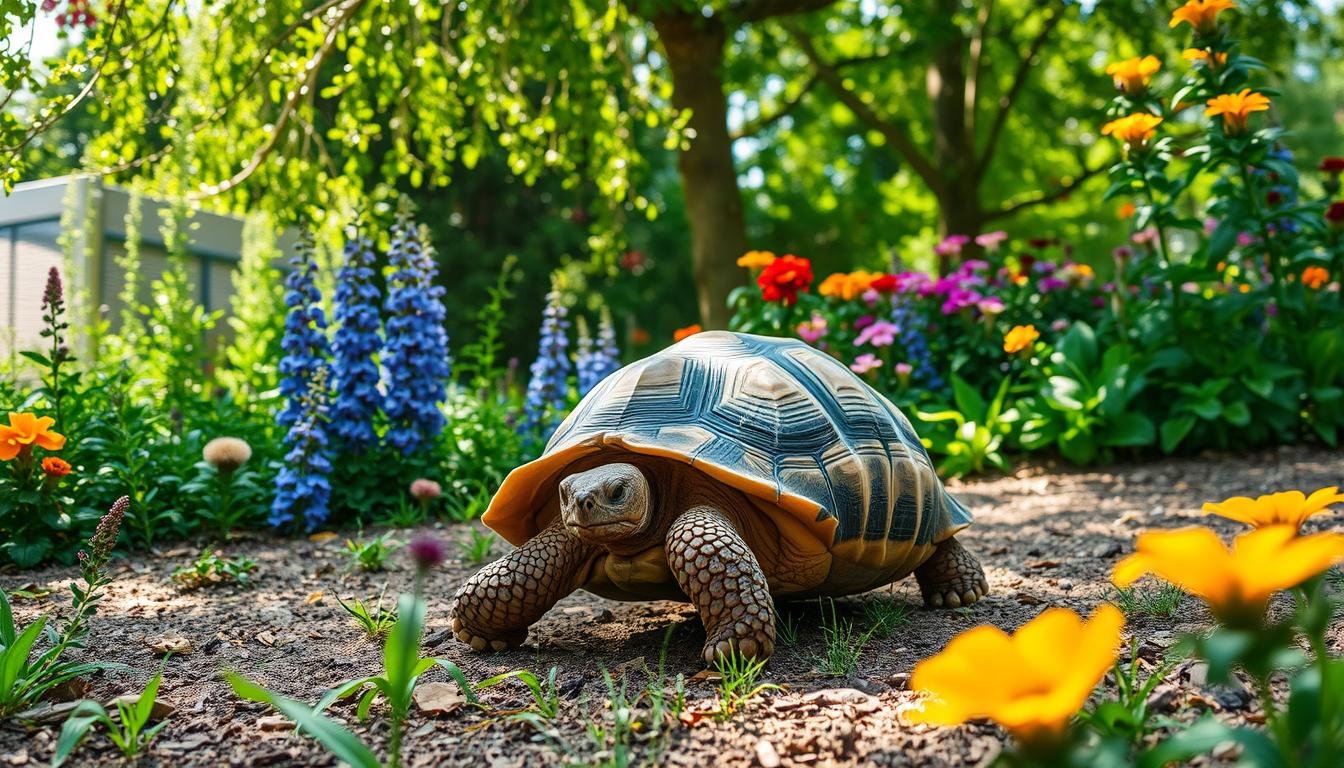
606, 504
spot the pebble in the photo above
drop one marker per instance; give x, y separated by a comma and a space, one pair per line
1108, 549
1066, 585
766, 756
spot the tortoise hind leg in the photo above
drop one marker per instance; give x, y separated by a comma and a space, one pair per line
496, 606
719, 573
951, 577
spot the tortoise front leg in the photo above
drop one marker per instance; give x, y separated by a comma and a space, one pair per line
497, 605
717, 570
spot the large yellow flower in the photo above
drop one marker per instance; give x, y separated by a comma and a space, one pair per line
1236, 109
1132, 75
1201, 56
1134, 130
1032, 683
755, 259
1238, 582
1287, 508
1201, 14
26, 430
1019, 338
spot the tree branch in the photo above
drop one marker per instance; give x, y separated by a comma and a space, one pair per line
977, 68
747, 11
1042, 198
891, 130
1020, 77
761, 123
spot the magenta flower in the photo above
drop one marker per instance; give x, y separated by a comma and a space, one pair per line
990, 305
960, 299
971, 266
880, 334
951, 245
1245, 239
1123, 253
426, 552
991, 241
907, 282
812, 330
865, 363
1052, 283
863, 322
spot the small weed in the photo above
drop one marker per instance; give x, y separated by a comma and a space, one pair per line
477, 546
1127, 716
614, 743
737, 683
469, 506
406, 515
1160, 601
212, 568
786, 629
885, 616
545, 694
843, 645
376, 621
371, 554
127, 730
662, 702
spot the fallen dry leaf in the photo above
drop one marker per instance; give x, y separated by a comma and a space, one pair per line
707, 676
322, 536
437, 698
314, 598
265, 637
177, 645
1044, 564
274, 723
158, 711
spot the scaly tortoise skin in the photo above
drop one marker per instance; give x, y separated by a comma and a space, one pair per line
730, 470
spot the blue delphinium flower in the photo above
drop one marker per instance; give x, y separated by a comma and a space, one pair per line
305, 337
916, 346
548, 389
302, 487
415, 352
596, 359
356, 341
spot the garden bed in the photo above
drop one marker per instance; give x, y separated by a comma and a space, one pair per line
1045, 538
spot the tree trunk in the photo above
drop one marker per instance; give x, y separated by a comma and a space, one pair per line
694, 48
959, 211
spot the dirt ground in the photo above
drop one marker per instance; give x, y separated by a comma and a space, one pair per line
1046, 537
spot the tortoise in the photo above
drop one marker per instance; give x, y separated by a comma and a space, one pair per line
729, 470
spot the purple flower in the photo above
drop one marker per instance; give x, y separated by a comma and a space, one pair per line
991, 241
960, 299
1210, 224
1245, 239
427, 552
970, 266
880, 334
1123, 253
1048, 284
951, 245
865, 363
907, 282
863, 322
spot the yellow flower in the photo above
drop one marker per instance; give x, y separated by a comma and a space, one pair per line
1236, 108
26, 430
1132, 75
756, 259
1134, 130
1201, 14
1019, 338
1287, 508
1315, 277
1238, 582
847, 286
1032, 683
1201, 56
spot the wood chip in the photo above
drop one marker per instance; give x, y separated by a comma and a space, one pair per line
322, 536
314, 598
158, 711
274, 723
862, 703
766, 755
166, 645
1044, 564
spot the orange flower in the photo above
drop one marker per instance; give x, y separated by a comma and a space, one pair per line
1206, 58
1019, 338
1132, 75
1236, 108
1126, 210
687, 332
847, 286
1134, 130
1201, 14
1315, 277
55, 467
26, 430
784, 277
755, 259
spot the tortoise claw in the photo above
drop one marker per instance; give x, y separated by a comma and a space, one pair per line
480, 643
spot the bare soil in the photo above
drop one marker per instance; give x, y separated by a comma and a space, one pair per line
1046, 537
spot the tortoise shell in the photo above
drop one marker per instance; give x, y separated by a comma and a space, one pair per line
774, 418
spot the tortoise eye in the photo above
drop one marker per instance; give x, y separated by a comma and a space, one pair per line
618, 494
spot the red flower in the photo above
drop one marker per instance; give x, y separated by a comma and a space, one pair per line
784, 278
1335, 214
884, 284
1332, 165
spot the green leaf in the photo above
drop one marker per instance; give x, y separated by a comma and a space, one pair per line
76, 727
340, 742
1129, 429
968, 400
1174, 431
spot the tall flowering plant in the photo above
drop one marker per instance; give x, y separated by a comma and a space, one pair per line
548, 388
355, 344
415, 352
304, 343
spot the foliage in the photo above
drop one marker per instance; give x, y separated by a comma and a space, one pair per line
370, 554
1159, 601
375, 620
843, 644
210, 567
128, 730
738, 676
476, 547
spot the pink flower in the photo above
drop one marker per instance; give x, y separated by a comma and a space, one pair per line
812, 330
903, 371
863, 322
991, 241
959, 299
879, 334
425, 490
865, 363
1245, 238
1145, 236
907, 282
427, 552
970, 266
951, 245
1123, 253
1059, 326
990, 305
1210, 224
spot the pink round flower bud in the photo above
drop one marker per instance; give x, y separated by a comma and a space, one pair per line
426, 490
